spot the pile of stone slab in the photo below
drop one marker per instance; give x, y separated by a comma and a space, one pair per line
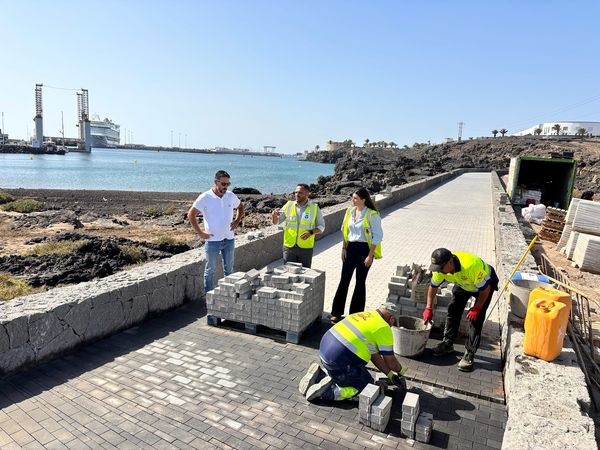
415, 424
408, 288
287, 298
374, 408
579, 240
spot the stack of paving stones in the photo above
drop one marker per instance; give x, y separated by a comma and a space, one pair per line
374, 408
410, 294
424, 427
287, 298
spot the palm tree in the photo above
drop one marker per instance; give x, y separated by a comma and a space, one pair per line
393, 144
556, 127
317, 148
330, 142
494, 132
581, 132
366, 142
503, 131
537, 131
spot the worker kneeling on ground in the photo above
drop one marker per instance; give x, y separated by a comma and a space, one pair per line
345, 351
472, 277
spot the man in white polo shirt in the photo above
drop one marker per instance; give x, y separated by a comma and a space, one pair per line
216, 206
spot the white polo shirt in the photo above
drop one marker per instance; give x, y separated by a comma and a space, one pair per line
217, 213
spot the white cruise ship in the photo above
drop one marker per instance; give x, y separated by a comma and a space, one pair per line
105, 133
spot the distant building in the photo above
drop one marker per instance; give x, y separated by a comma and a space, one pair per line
567, 128
332, 146
447, 140
3, 138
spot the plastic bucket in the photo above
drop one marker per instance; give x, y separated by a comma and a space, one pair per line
410, 336
519, 294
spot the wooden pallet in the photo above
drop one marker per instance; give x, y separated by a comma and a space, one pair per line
292, 337
549, 224
550, 235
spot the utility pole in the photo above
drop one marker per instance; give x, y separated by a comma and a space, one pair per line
179, 146
62, 129
460, 130
171, 138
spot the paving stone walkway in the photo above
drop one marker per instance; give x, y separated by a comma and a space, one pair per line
175, 382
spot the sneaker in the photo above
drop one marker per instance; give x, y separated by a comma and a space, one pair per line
466, 363
443, 348
317, 390
312, 374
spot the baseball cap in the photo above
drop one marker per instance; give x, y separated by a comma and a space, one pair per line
392, 308
439, 258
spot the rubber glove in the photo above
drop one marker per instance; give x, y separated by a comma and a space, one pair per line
427, 315
396, 379
474, 313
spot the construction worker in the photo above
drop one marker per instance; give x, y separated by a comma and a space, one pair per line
472, 277
345, 351
303, 220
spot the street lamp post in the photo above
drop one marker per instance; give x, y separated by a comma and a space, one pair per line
171, 138
179, 145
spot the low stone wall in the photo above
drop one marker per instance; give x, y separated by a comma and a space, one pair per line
38, 327
547, 402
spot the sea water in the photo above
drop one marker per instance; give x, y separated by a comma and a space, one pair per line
142, 170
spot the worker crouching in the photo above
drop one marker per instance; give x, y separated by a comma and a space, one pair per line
345, 351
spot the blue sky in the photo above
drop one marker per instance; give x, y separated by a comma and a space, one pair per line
295, 74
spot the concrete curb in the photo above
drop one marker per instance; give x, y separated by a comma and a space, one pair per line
547, 402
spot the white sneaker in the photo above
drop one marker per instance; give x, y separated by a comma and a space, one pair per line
310, 378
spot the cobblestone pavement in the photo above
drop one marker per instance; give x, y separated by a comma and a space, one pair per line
175, 382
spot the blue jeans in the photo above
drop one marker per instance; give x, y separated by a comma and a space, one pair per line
211, 250
356, 376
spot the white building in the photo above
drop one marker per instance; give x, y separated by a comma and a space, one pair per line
566, 128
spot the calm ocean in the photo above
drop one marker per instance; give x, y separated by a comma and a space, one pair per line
140, 170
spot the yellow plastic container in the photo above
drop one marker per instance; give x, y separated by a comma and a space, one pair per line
551, 294
546, 322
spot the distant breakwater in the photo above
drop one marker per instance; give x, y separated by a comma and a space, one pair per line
25, 149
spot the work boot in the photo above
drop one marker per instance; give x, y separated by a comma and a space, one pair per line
317, 390
345, 393
443, 348
466, 363
311, 377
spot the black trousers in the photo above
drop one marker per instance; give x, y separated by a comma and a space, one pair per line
455, 312
355, 260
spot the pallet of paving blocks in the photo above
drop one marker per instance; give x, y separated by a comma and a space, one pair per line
288, 298
374, 408
408, 289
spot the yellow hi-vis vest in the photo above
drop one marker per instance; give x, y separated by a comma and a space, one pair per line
367, 233
364, 334
473, 275
295, 226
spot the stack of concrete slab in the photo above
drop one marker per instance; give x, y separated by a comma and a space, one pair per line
410, 413
566, 234
424, 427
410, 294
587, 253
587, 217
571, 244
287, 298
374, 408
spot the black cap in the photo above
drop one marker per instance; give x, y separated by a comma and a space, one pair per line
439, 258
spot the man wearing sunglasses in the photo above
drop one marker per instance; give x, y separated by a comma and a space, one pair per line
216, 206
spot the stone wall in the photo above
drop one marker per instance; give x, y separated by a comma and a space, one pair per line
38, 327
547, 402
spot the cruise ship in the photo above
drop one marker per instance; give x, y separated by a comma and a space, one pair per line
105, 133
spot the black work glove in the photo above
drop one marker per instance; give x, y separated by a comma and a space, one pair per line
397, 380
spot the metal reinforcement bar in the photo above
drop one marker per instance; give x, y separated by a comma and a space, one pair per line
580, 329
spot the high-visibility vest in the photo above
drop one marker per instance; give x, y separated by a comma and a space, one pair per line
364, 334
295, 226
367, 231
474, 273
